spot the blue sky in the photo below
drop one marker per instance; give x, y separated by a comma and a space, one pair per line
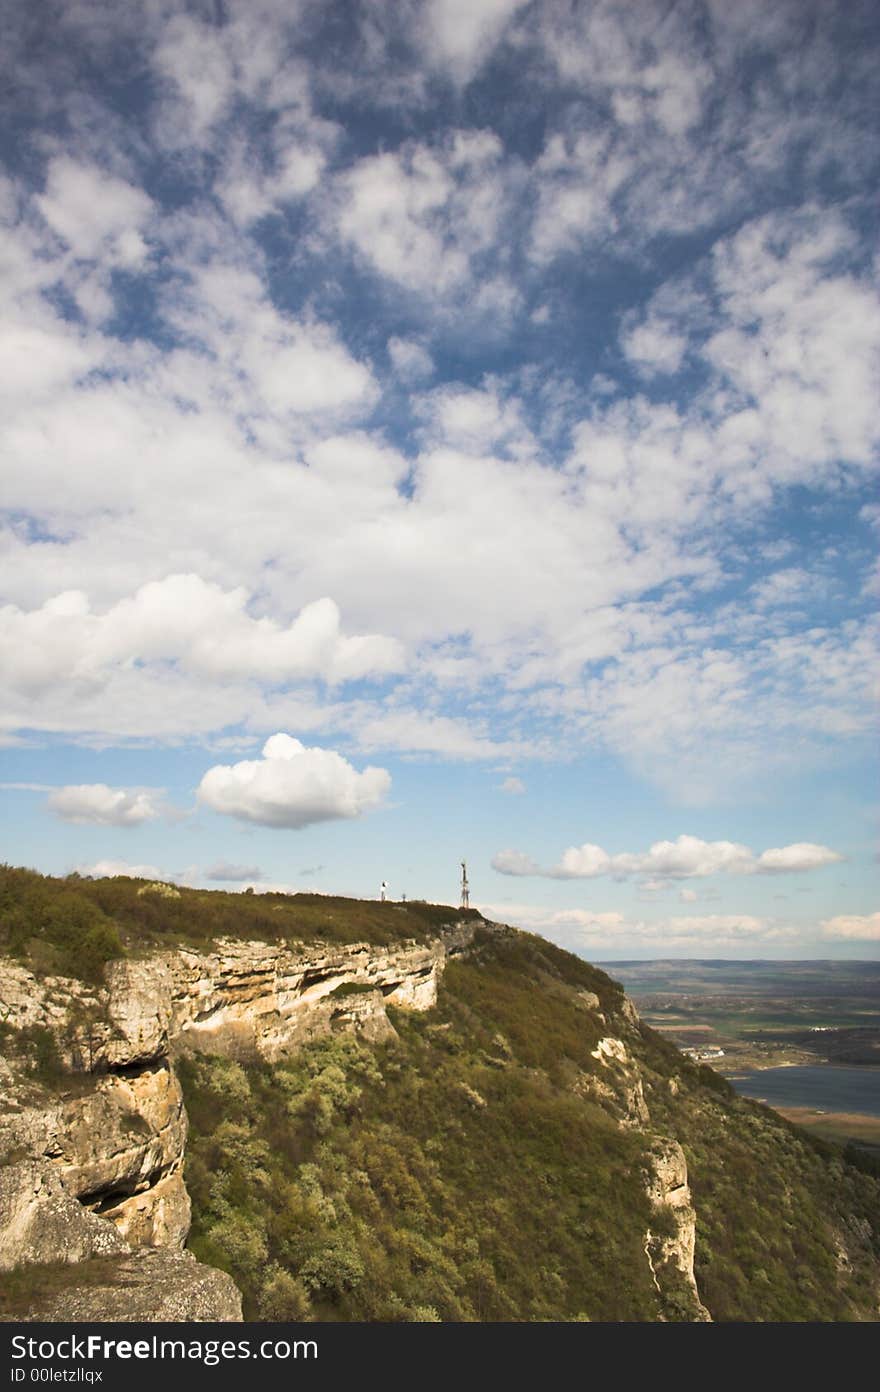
438, 429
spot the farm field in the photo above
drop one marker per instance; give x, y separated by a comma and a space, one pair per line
763, 1014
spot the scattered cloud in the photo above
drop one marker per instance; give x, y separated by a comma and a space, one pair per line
653, 347
96, 215
485, 381
292, 786
411, 360
802, 856
459, 36
610, 929
104, 806
857, 927
64, 655
685, 858
515, 863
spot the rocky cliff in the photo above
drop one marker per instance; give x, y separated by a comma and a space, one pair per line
362, 1146
92, 1123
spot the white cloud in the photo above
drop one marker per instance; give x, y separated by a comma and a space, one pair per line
514, 787
429, 734
411, 360
653, 347
685, 858
193, 59
583, 862
188, 621
108, 869
516, 584
423, 217
610, 929
792, 585
856, 927
474, 420
576, 180
292, 786
538, 918
104, 806
97, 215
261, 360
460, 34
515, 863
804, 855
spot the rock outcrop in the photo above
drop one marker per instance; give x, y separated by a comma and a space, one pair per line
73, 1161
91, 1159
669, 1242
140, 1287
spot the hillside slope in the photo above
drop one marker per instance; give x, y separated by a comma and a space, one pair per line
517, 1153
461, 1122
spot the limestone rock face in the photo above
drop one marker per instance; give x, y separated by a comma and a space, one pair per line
139, 1009
74, 1161
620, 1082
670, 1252
259, 1000
41, 1222
142, 1287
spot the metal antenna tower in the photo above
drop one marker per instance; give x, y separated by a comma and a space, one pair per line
465, 888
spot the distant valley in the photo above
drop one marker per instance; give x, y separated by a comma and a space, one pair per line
760, 1015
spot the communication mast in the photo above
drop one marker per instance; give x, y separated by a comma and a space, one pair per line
465, 889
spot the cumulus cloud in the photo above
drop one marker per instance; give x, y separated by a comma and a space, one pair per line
103, 806
515, 863
292, 786
688, 857
804, 855
188, 621
856, 927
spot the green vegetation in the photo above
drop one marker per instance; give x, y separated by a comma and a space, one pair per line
463, 1171
418, 1180
37, 1048
73, 926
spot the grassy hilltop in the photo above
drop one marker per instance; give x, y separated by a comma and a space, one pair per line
74, 925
